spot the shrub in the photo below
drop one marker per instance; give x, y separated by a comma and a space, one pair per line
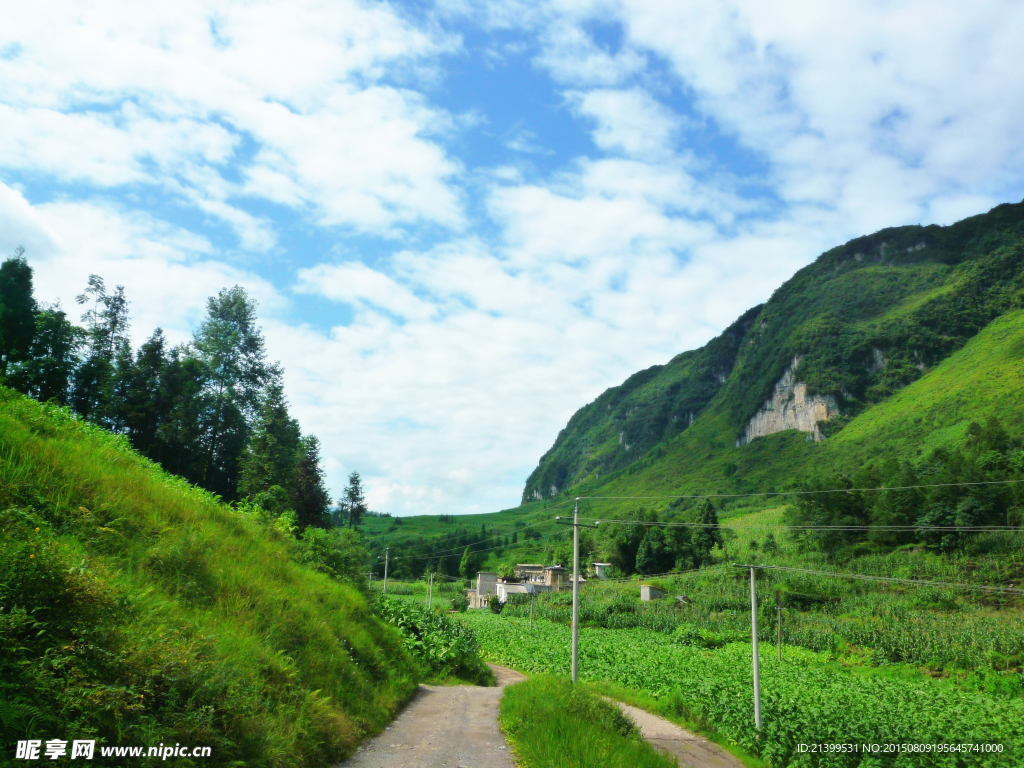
446, 645
338, 552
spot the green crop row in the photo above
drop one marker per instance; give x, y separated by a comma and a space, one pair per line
923, 626
804, 701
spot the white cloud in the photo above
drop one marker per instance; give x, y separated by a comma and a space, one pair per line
629, 121
170, 94
463, 359
168, 272
573, 57
356, 282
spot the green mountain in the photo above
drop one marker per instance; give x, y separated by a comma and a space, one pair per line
887, 345
136, 609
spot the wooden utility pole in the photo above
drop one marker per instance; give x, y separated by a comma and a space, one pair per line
386, 550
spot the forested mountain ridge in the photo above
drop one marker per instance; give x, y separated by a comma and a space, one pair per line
856, 326
649, 406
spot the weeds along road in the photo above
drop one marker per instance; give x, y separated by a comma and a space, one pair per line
444, 726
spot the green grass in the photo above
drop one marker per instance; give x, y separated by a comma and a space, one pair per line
665, 709
985, 378
550, 724
135, 609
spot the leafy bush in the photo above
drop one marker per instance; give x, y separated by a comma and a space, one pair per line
494, 604
688, 634
338, 552
447, 646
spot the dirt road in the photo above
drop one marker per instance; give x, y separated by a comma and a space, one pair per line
443, 726
691, 749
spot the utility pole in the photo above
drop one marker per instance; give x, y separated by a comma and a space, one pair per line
430, 590
386, 550
753, 631
753, 635
779, 630
576, 586
532, 598
575, 591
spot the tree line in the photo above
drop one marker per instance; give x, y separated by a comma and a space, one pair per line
212, 410
921, 502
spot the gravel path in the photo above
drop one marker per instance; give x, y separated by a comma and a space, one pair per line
451, 726
692, 750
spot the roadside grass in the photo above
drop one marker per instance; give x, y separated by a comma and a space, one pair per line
551, 723
667, 710
136, 609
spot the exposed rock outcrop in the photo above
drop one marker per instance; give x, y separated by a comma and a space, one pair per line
789, 407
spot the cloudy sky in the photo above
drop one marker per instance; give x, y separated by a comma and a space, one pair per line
464, 220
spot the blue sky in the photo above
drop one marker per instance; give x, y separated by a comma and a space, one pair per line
464, 220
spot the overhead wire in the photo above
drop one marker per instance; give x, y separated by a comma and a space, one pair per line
489, 549
776, 526
492, 538
891, 579
800, 493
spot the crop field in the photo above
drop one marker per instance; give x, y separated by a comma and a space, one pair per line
804, 700
930, 627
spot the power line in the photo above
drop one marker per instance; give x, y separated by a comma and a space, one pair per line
492, 538
659, 575
893, 579
489, 549
776, 526
803, 493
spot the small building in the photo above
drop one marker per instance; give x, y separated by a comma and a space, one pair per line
506, 588
648, 592
556, 576
532, 573
601, 570
531, 579
486, 585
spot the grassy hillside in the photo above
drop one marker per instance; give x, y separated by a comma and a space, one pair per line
136, 609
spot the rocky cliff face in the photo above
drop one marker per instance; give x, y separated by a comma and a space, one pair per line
789, 407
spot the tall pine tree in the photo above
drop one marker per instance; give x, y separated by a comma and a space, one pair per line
17, 311
309, 494
352, 501
231, 347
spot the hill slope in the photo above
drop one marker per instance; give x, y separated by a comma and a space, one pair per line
836, 351
135, 609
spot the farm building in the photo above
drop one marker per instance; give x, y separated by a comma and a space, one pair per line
530, 579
